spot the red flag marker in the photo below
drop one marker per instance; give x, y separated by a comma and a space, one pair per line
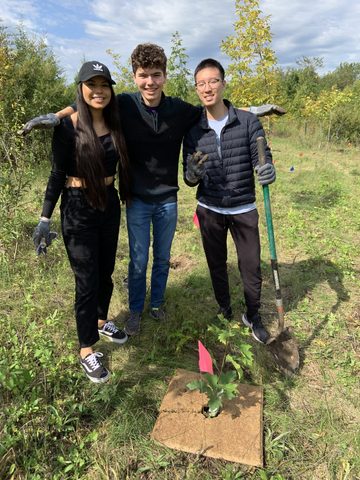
205, 361
196, 221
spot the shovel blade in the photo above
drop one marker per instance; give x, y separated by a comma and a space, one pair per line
285, 351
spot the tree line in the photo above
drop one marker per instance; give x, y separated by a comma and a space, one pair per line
32, 82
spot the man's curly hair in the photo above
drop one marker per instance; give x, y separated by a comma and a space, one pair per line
148, 55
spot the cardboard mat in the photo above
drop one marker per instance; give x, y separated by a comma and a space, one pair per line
236, 434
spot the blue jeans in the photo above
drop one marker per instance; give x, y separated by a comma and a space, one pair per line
163, 217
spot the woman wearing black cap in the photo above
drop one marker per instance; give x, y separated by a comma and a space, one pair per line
87, 149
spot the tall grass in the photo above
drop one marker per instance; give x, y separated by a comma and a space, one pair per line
54, 424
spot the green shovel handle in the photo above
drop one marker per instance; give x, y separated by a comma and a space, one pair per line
269, 223
271, 237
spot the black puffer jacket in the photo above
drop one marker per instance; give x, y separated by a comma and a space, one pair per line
228, 181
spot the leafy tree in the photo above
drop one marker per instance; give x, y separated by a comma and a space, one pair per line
178, 75
346, 118
300, 84
31, 83
325, 106
252, 71
345, 75
124, 76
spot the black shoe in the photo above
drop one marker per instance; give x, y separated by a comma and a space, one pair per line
132, 326
158, 313
94, 369
225, 312
258, 330
112, 333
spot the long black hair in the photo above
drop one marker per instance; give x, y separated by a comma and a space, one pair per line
90, 153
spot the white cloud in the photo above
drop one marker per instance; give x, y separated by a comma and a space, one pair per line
87, 28
323, 28
14, 12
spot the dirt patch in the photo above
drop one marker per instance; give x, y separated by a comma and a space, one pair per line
235, 435
354, 317
182, 262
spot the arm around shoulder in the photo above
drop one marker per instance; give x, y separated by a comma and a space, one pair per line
47, 121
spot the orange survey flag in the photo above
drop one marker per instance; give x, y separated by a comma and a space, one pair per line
205, 361
196, 221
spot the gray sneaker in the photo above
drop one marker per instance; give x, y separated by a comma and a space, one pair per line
257, 328
94, 369
158, 313
110, 331
132, 326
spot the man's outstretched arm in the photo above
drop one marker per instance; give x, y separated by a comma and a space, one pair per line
266, 109
47, 121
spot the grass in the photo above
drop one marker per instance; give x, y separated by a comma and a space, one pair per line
54, 424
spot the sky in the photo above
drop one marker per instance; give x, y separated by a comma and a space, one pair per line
78, 30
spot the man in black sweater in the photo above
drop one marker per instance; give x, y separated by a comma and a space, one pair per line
153, 126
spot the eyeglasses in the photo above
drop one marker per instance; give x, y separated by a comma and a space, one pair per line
213, 83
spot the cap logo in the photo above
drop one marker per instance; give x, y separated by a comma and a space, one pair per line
98, 68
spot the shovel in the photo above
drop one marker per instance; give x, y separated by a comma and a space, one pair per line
283, 347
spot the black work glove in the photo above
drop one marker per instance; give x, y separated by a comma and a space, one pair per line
195, 168
266, 173
47, 121
267, 109
42, 237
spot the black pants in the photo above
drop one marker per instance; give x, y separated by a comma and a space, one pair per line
90, 238
245, 233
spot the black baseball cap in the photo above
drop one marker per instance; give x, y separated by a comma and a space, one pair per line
94, 69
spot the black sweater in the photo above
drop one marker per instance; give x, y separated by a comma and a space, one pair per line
154, 140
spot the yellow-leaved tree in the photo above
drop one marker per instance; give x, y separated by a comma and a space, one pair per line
325, 107
252, 71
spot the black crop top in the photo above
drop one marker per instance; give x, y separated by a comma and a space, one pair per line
64, 162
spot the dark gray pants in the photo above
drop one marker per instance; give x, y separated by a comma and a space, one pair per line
245, 233
90, 238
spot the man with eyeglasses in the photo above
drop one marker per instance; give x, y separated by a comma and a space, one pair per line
220, 157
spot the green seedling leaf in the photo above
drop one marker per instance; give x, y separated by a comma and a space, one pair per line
230, 390
224, 336
227, 377
248, 356
212, 380
230, 359
195, 385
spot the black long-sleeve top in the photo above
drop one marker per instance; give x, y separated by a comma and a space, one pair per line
153, 138
64, 162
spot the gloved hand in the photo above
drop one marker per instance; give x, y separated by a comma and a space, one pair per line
267, 109
42, 237
195, 168
47, 121
266, 173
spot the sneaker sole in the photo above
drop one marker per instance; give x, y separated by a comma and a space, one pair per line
248, 324
98, 380
112, 339
157, 318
